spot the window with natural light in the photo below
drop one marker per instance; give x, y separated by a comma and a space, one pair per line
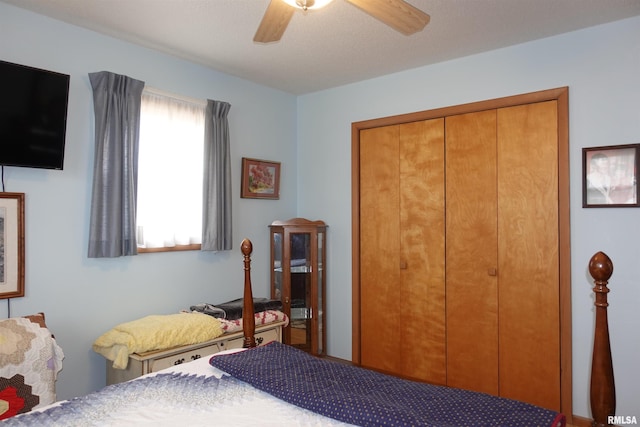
170, 169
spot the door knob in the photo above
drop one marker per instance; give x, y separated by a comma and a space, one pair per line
493, 272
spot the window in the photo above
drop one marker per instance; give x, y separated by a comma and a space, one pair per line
170, 171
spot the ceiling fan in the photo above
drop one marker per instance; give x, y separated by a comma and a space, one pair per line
397, 14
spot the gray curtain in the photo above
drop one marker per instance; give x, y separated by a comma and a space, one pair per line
116, 103
216, 206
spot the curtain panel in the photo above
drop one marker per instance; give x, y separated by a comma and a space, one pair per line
216, 206
112, 228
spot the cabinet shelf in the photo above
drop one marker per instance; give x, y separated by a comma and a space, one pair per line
294, 270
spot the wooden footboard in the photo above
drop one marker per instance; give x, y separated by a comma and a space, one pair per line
603, 393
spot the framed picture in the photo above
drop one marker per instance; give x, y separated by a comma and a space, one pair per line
260, 179
610, 176
11, 245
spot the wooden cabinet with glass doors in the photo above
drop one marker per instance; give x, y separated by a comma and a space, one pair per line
298, 279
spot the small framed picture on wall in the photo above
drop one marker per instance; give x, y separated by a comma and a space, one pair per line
260, 179
610, 176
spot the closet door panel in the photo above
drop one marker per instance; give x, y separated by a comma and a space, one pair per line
471, 252
381, 306
506, 228
528, 254
422, 332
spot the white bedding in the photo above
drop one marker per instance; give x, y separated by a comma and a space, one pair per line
194, 403
249, 408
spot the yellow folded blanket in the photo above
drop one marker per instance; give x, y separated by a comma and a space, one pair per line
156, 332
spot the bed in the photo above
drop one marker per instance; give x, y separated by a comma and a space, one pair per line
277, 385
602, 395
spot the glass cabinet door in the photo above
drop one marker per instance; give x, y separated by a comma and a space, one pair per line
276, 262
298, 280
301, 268
320, 280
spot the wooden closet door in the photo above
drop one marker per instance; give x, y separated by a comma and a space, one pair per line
528, 272
471, 252
507, 230
422, 245
402, 250
380, 312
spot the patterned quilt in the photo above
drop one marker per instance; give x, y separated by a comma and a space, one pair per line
261, 318
30, 360
174, 399
366, 398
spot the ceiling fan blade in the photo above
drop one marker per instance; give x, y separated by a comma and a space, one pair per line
398, 14
274, 22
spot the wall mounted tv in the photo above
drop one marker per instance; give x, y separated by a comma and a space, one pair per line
33, 116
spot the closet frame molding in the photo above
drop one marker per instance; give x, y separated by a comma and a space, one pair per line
561, 96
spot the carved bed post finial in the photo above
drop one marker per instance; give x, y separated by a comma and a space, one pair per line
248, 319
603, 392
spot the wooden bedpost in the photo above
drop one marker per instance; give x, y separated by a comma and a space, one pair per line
603, 391
248, 317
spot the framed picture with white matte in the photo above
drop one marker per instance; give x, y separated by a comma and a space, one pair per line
610, 176
11, 245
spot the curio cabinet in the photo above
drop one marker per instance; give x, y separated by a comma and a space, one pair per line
298, 279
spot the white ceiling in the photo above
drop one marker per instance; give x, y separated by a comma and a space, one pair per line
329, 47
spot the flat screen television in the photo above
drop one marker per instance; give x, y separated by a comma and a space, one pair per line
33, 116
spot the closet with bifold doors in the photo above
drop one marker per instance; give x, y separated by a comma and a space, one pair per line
461, 247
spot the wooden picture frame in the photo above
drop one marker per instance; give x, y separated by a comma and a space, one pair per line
260, 179
11, 245
610, 176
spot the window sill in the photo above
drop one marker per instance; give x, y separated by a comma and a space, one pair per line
193, 247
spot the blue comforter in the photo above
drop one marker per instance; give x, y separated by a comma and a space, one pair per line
367, 398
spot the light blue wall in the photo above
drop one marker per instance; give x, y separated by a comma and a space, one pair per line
601, 67
82, 297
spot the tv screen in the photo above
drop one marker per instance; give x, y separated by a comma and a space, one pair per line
33, 116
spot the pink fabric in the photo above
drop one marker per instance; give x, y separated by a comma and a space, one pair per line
262, 318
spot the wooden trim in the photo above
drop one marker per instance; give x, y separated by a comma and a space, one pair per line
177, 248
472, 107
355, 242
299, 222
561, 95
564, 230
581, 422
